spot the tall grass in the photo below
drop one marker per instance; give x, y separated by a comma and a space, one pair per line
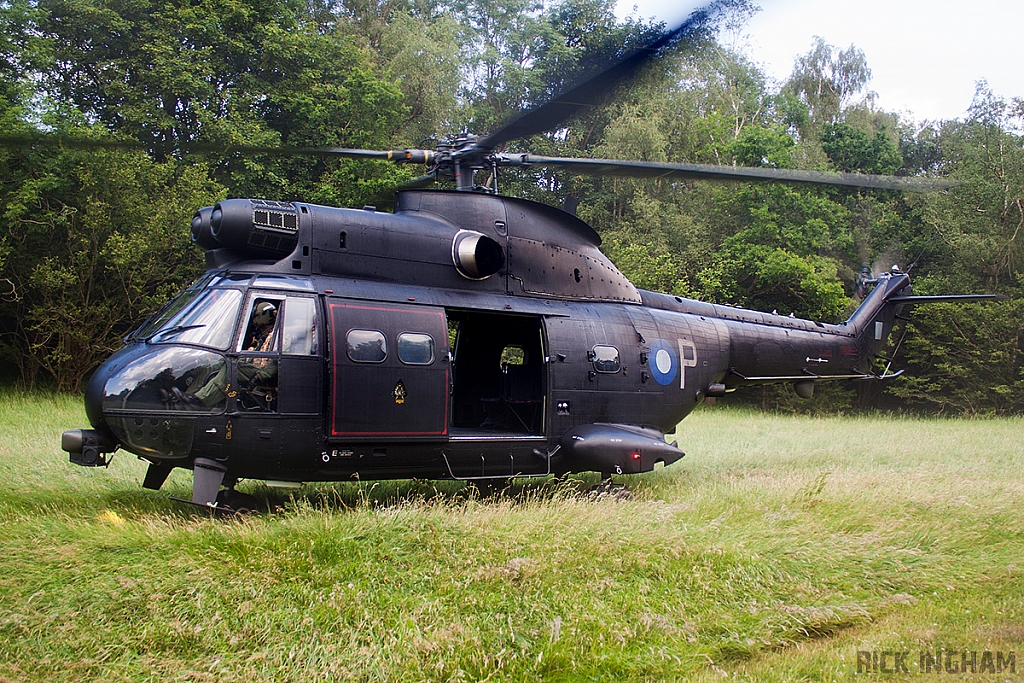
774, 551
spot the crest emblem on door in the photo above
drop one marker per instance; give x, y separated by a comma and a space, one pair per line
399, 393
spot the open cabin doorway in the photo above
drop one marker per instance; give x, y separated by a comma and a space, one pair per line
498, 373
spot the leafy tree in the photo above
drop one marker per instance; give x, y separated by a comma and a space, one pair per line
785, 257
96, 241
425, 53
966, 359
87, 249
969, 358
827, 81
977, 227
721, 95
508, 39
262, 72
649, 267
854, 151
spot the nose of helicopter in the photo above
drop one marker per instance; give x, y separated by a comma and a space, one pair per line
133, 400
94, 392
88, 447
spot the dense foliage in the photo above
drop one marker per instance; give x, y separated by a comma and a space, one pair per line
93, 241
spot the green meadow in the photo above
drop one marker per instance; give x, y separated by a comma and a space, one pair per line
778, 549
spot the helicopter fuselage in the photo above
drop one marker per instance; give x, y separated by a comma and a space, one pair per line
463, 336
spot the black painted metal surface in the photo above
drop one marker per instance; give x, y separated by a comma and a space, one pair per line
546, 361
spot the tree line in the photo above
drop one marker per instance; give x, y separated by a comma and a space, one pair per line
94, 240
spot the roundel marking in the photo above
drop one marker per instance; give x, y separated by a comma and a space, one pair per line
662, 362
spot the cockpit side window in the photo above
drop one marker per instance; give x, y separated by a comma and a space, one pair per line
262, 333
300, 327
257, 373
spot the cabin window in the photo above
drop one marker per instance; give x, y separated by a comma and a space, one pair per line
415, 348
366, 346
606, 359
513, 355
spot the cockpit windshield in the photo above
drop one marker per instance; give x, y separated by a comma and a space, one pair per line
206, 319
171, 309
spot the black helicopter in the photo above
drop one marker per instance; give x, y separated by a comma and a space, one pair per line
465, 335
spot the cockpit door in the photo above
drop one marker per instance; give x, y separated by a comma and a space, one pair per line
390, 374
302, 370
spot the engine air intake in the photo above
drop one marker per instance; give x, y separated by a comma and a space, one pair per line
476, 256
256, 226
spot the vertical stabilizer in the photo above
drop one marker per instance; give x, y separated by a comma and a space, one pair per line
874, 318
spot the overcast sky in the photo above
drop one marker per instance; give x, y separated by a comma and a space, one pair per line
925, 55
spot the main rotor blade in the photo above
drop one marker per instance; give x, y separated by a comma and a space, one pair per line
593, 90
654, 169
35, 139
944, 298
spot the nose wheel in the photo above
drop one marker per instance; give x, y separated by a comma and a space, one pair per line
207, 476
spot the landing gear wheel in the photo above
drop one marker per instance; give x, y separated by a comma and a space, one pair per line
609, 489
237, 502
491, 488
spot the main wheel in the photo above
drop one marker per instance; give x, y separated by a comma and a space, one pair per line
238, 502
490, 488
609, 489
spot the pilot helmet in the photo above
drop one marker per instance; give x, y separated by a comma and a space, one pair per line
264, 313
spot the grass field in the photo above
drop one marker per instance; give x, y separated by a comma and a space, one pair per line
775, 551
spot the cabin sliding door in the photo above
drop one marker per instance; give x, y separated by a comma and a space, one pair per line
390, 371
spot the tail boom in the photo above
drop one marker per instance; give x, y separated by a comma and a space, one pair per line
778, 351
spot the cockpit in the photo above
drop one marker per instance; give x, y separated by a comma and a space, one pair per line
217, 347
